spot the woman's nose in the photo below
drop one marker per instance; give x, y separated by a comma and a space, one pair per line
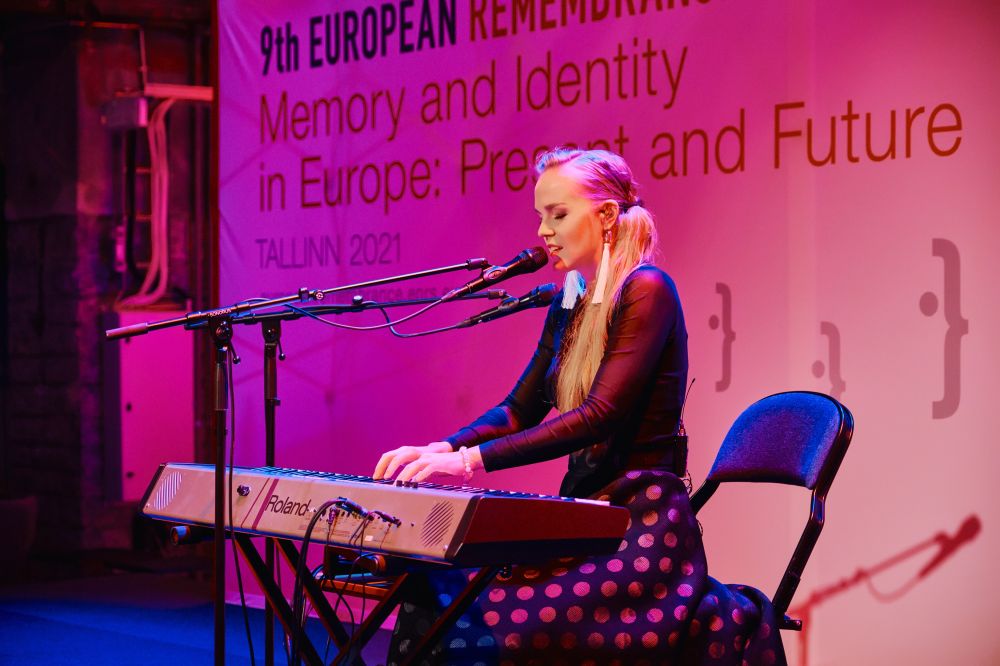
543, 230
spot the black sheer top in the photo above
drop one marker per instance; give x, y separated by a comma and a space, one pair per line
634, 403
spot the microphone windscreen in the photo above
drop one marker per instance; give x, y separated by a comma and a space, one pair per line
539, 257
547, 293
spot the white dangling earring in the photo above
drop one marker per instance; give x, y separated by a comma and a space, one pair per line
602, 271
573, 288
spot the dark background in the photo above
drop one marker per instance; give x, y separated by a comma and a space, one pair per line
75, 237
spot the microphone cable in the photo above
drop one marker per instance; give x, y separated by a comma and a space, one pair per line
537, 293
340, 593
229, 501
533, 256
374, 327
298, 593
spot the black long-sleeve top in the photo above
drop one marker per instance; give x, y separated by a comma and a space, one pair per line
633, 404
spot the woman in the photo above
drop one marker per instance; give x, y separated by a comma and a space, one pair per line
612, 359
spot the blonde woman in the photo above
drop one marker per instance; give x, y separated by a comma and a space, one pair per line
612, 360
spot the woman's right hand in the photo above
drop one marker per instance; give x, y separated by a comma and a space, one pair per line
391, 461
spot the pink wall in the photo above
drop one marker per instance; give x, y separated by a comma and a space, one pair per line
850, 244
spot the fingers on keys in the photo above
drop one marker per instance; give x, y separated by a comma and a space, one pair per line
413, 468
430, 464
383, 463
391, 460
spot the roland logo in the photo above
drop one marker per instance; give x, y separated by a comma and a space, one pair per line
287, 506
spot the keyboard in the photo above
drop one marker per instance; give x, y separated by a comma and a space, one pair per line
451, 524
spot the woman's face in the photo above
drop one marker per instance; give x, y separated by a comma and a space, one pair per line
570, 223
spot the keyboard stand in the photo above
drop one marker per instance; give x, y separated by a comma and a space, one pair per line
389, 580
264, 575
391, 583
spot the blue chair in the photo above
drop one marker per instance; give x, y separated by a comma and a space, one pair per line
796, 438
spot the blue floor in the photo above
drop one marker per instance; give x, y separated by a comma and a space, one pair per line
146, 619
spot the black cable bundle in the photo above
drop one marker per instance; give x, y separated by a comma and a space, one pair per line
298, 593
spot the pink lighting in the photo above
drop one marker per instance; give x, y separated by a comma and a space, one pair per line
824, 182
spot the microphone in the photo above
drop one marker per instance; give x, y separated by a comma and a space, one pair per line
536, 298
527, 261
968, 531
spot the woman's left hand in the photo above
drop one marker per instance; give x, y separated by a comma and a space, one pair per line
429, 464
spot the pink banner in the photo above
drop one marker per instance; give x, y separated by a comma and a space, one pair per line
824, 179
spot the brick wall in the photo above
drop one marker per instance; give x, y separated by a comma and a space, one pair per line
63, 182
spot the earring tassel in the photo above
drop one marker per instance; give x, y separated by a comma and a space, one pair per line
602, 275
572, 289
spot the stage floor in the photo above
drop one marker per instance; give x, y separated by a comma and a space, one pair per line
146, 619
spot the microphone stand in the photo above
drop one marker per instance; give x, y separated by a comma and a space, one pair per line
220, 325
357, 306
271, 330
470, 264
222, 336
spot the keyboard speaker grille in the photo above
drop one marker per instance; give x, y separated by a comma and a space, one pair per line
167, 491
437, 524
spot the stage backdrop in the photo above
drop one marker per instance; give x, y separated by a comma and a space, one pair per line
824, 177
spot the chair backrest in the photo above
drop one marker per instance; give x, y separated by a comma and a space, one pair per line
784, 438
796, 438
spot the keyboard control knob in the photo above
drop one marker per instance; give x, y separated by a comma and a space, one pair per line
243, 490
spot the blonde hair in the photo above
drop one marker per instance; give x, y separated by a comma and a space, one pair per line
602, 176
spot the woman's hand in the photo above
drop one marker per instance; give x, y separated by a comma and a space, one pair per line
391, 461
417, 463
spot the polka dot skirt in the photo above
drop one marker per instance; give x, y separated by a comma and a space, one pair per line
650, 603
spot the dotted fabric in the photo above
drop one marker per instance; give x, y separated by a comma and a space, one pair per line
652, 602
